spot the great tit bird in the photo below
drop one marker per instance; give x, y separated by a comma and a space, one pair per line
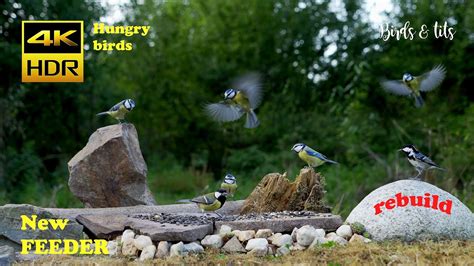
210, 202
243, 98
229, 184
310, 156
119, 110
420, 161
411, 85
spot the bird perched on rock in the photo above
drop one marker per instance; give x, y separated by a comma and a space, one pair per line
412, 86
209, 202
310, 156
420, 161
243, 98
229, 184
119, 110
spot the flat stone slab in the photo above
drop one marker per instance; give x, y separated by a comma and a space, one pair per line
230, 207
11, 223
103, 226
276, 221
110, 226
170, 232
326, 221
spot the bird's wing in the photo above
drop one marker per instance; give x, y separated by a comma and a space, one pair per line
315, 153
224, 112
251, 86
396, 87
117, 106
421, 157
207, 199
432, 79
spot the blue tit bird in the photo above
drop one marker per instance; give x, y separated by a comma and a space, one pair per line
420, 161
229, 184
412, 86
210, 202
310, 156
243, 98
119, 110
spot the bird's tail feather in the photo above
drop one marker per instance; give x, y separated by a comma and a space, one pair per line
184, 201
331, 161
102, 113
252, 120
419, 101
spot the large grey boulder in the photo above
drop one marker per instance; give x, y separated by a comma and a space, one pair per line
7, 255
110, 170
388, 213
11, 223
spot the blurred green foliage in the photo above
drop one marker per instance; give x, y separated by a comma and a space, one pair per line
321, 66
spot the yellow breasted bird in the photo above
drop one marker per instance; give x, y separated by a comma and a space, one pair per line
119, 110
210, 202
243, 98
229, 184
310, 156
412, 86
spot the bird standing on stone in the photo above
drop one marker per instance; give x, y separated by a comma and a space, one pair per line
310, 156
420, 161
229, 184
412, 86
210, 202
119, 110
243, 98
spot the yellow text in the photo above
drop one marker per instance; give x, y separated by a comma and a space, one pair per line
64, 246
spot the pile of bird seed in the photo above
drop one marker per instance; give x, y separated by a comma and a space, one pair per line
189, 219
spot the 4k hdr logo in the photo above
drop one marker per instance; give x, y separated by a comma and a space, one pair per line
52, 51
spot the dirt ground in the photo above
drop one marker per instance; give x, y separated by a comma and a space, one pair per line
388, 253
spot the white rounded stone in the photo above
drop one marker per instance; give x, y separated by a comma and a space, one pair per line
305, 235
112, 247
212, 241
320, 232
142, 242
344, 231
388, 213
282, 251
128, 247
261, 243
177, 250
334, 237
225, 229
163, 249
282, 240
148, 253
263, 233
193, 248
244, 235
127, 234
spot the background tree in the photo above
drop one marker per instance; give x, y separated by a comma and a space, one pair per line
321, 63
